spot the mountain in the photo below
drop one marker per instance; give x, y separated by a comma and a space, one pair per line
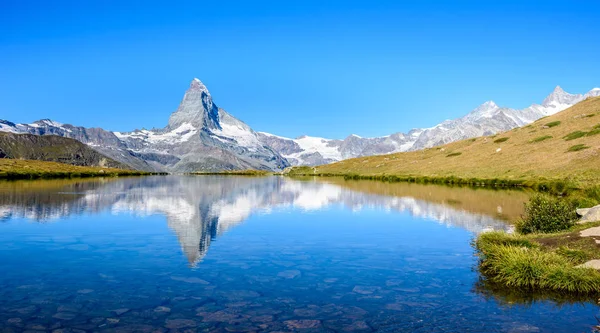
565, 145
486, 119
53, 148
199, 136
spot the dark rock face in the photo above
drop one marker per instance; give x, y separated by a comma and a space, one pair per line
52, 148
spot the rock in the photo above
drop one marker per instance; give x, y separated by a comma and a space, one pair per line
85, 291
304, 323
592, 215
365, 290
119, 312
582, 211
590, 232
289, 274
180, 323
64, 315
14, 320
595, 264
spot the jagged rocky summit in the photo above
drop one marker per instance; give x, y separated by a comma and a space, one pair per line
199, 136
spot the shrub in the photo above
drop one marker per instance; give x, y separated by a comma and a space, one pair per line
574, 135
578, 147
553, 124
545, 214
454, 154
541, 138
501, 140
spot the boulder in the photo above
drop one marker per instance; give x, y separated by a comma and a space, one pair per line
592, 215
582, 211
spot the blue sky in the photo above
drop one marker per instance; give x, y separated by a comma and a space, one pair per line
322, 68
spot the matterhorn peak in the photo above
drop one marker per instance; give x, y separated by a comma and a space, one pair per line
197, 85
196, 108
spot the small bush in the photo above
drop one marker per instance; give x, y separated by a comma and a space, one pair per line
574, 135
541, 138
501, 140
454, 154
578, 147
545, 214
553, 124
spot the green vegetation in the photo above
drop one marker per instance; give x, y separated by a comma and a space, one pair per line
32, 169
545, 214
553, 124
578, 147
523, 262
541, 138
454, 154
501, 140
574, 135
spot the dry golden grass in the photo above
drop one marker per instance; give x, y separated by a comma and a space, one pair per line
522, 156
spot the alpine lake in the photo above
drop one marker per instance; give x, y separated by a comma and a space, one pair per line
260, 254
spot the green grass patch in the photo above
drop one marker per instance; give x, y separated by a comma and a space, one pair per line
454, 154
574, 135
516, 261
541, 138
501, 140
578, 147
553, 124
593, 132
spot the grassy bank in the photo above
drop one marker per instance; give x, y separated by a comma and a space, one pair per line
33, 169
540, 262
545, 252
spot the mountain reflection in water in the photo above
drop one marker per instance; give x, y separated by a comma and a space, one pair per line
200, 208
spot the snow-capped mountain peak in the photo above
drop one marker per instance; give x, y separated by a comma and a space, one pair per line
196, 108
559, 97
198, 85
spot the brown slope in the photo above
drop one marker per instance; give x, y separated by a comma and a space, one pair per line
524, 155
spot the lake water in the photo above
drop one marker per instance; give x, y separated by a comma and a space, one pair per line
243, 254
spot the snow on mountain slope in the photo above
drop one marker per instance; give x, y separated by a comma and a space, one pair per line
199, 136
486, 119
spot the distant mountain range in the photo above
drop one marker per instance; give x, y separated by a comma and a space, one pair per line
486, 119
200, 136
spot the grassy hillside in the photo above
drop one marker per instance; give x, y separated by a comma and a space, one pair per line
52, 148
31, 169
563, 146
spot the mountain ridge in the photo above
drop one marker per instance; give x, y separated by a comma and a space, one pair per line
486, 119
200, 136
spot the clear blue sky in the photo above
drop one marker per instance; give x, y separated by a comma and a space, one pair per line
322, 68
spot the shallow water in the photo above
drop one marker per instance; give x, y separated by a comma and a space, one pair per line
243, 254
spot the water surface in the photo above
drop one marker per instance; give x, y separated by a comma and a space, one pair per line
245, 254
